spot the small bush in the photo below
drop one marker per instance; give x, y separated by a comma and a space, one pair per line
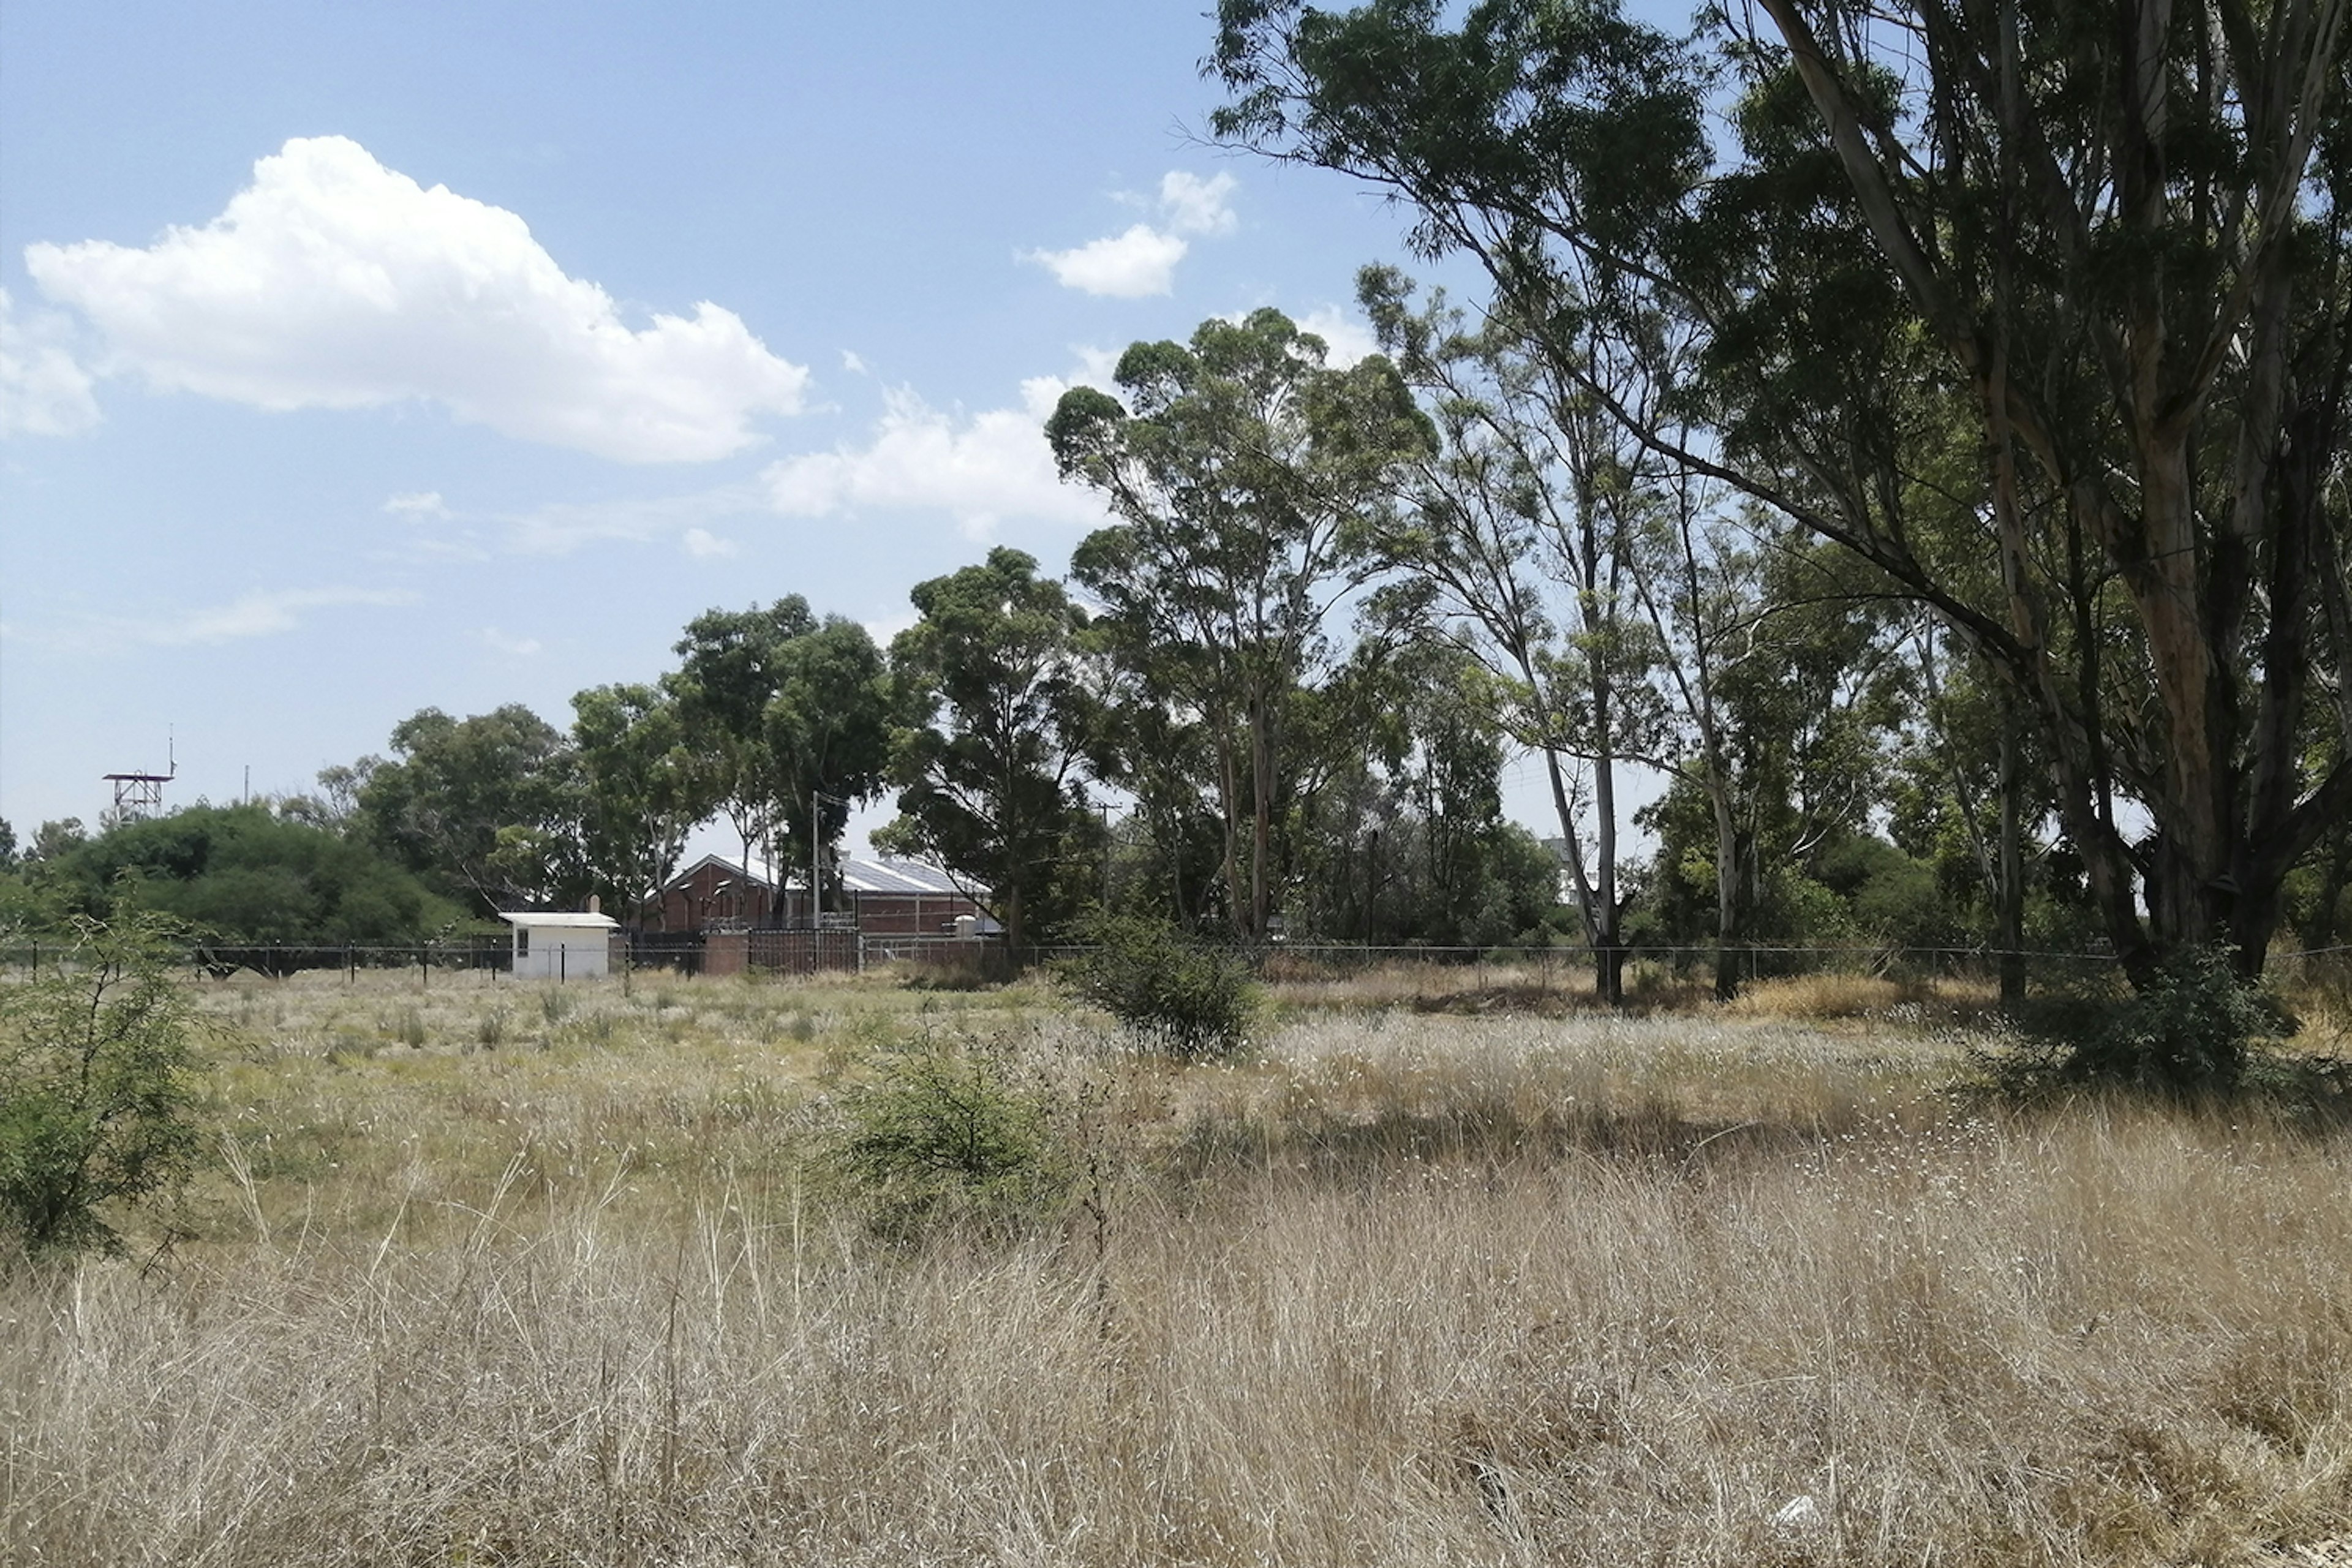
1181, 994
946, 1127
97, 1086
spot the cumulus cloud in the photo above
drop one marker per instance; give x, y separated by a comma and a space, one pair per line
332, 281
261, 614
1142, 260
981, 469
1345, 339
705, 545
1194, 205
1097, 366
44, 390
1121, 267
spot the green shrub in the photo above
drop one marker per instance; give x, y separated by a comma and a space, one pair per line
98, 1079
947, 1128
2189, 1032
1182, 994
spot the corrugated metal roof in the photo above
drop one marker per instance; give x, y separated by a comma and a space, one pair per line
904, 877
895, 877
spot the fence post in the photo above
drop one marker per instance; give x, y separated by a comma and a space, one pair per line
424, 966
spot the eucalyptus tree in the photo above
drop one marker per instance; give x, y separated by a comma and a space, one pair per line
1789, 696
2109, 242
1778, 669
1241, 468
1520, 522
1970, 788
730, 672
488, 805
996, 712
643, 789
826, 733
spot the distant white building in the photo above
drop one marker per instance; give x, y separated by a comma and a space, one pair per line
551, 946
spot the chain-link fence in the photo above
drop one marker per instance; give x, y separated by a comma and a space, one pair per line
1563, 971
279, 960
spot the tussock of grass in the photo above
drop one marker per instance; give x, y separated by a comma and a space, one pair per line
1400, 1289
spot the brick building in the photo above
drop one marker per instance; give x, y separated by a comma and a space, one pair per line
888, 898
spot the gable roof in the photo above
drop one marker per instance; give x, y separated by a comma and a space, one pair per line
718, 862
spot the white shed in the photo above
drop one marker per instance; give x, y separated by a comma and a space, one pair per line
549, 946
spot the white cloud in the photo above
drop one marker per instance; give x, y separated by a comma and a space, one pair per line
1142, 260
418, 503
980, 469
1122, 267
705, 545
1097, 366
261, 614
514, 647
889, 626
1195, 206
331, 282
1347, 339
44, 391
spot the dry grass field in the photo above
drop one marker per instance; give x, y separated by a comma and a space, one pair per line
496, 1274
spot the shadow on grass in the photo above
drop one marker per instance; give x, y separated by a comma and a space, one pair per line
1648, 1135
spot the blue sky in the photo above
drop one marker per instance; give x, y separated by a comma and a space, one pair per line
361, 359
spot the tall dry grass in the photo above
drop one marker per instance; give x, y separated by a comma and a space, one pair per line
1402, 1290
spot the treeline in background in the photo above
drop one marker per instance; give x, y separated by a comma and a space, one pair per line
1274, 700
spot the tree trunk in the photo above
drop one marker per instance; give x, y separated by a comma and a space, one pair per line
1608, 944
1261, 817
2011, 890
1727, 891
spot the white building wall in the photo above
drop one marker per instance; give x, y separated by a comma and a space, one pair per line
559, 954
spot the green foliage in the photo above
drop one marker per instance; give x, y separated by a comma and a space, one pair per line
1819, 253
788, 720
2189, 1031
1182, 994
643, 788
245, 875
1240, 468
98, 1079
486, 806
989, 680
828, 733
946, 1128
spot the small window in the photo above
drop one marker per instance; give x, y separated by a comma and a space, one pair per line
522, 941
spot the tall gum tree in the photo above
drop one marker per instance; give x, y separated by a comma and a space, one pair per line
1519, 522
996, 711
730, 670
1242, 469
2110, 242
